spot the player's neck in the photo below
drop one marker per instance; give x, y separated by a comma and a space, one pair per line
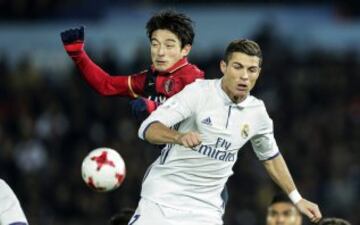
233, 98
237, 99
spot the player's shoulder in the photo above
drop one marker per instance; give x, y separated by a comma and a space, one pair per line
141, 73
201, 85
258, 108
189, 72
194, 68
253, 101
2, 183
4, 188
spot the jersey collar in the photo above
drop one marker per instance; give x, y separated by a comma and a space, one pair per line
244, 103
179, 64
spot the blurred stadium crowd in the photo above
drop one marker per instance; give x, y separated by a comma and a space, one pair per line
47, 127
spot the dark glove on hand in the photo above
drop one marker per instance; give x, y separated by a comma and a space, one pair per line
142, 107
73, 40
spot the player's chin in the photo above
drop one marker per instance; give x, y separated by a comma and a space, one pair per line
161, 67
240, 94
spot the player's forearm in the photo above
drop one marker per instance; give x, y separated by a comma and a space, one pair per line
279, 173
98, 79
158, 133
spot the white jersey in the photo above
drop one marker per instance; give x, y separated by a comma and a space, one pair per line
194, 179
10, 209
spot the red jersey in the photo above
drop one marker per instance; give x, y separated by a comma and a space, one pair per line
152, 84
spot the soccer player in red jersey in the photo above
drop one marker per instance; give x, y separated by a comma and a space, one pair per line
171, 36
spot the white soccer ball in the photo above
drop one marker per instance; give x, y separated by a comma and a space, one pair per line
103, 169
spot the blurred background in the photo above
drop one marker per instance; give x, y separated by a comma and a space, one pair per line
50, 118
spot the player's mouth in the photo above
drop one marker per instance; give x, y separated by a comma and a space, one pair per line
242, 87
160, 62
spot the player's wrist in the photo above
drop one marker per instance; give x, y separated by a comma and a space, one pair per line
177, 138
74, 48
295, 196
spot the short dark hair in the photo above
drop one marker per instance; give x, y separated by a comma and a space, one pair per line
280, 197
334, 221
245, 46
122, 218
178, 23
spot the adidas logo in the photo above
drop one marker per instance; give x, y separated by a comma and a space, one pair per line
207, 121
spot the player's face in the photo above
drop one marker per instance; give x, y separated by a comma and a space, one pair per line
283, 214
166, 49
240, 75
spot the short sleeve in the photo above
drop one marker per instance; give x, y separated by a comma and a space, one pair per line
176, 109
263, 142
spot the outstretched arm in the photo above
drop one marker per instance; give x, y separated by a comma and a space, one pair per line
97, 78
279, 173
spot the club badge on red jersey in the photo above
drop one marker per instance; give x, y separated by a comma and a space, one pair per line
169, 86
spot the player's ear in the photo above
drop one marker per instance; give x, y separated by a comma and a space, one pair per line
185, 50
223, 66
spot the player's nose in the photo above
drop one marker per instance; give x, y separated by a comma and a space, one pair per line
161, 51
244, 75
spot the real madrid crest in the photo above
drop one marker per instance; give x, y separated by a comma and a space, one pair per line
169, 85
245, 130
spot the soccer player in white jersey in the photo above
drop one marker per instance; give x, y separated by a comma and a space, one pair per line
11, 212
213, 119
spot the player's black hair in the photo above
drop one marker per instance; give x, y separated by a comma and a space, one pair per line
178, 23
122, 218
245, 46
334, 221
280, 197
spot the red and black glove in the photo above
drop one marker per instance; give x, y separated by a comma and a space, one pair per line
142, 107
73, 40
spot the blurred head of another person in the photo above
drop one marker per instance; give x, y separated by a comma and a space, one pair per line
282, 211
171, 36
241, 68
122, 218
334, 221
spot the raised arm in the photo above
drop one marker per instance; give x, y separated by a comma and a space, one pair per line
97, 78
279, 173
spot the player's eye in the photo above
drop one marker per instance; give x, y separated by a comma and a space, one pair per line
273, 214
253, 70
154, 44
237, 66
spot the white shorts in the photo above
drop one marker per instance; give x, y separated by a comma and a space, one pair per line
151, 213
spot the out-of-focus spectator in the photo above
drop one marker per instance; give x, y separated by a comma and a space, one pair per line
334, 221
282, 211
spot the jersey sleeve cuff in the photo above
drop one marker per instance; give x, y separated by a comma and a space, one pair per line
271, 157
143, 128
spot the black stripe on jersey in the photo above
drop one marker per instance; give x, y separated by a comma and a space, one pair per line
168, 147
176, 126
224, 196
147, 173
18, 223
272, 157
165, 153
227, 120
